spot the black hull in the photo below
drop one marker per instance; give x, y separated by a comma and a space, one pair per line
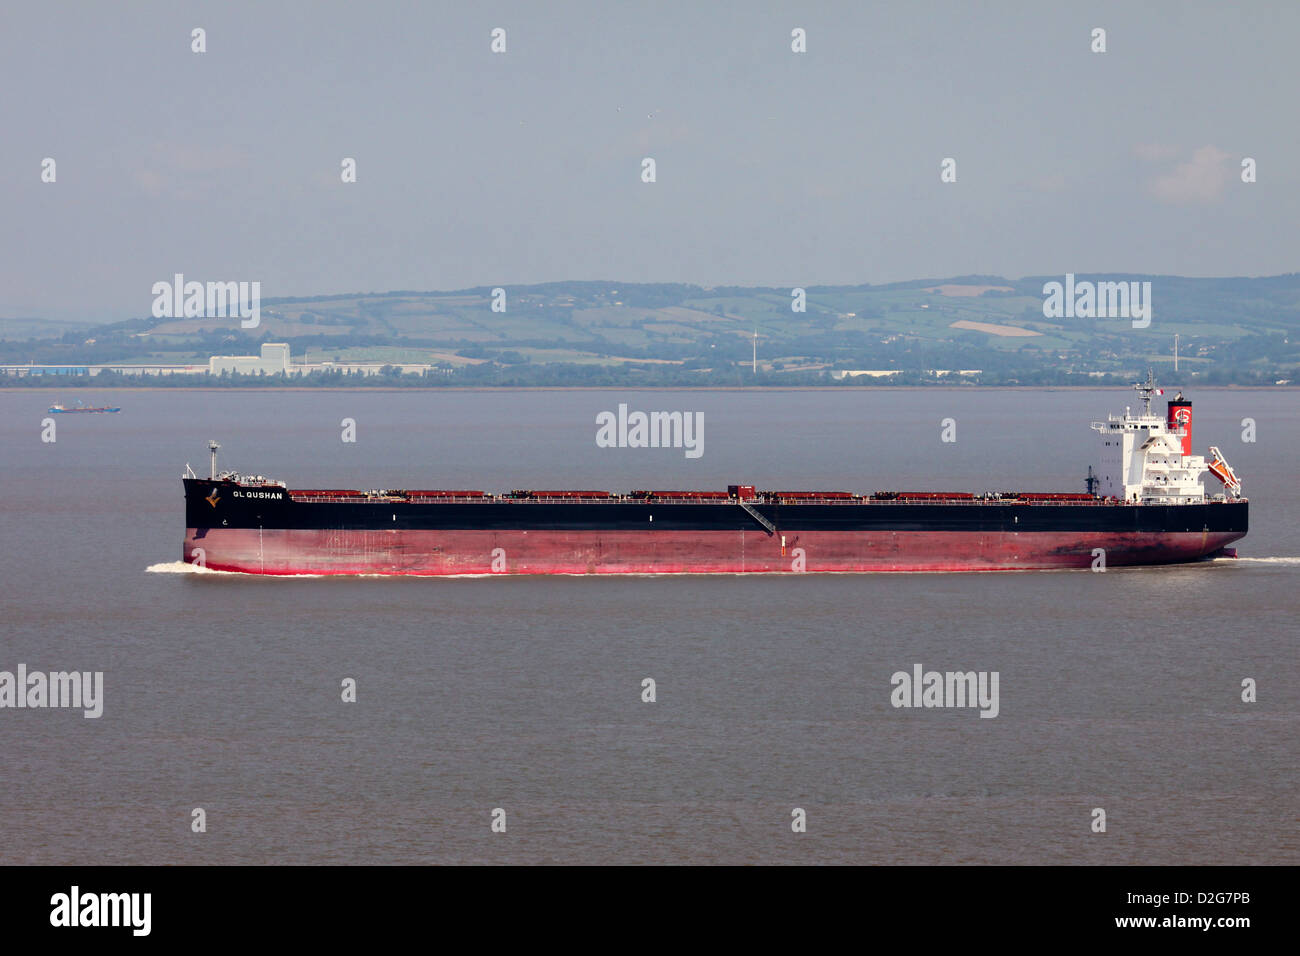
242, 507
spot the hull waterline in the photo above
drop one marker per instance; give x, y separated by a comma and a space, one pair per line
469, 552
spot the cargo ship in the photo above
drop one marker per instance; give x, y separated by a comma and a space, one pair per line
1145, 505
61, 409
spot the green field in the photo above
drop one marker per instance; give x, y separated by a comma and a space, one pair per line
1230, 330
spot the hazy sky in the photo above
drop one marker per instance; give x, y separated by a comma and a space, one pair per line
773, 167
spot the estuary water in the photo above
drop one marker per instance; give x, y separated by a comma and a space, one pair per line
521, 699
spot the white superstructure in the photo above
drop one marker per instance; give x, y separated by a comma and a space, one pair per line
1146, 459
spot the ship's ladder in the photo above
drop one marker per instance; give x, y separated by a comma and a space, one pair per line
753, 513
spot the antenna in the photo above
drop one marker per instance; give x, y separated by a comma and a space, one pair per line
1146, 389
212, 447
1175, 351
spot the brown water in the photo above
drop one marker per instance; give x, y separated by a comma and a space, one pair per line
1118, 690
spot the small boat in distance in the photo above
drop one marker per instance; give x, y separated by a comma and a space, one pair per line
61, 409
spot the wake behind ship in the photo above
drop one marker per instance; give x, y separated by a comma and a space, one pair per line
1146, 505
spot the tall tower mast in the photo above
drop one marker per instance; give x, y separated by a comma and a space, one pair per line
1146, 390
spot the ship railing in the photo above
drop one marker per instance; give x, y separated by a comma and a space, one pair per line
384, 499
838, 502
785, 503
426, 499
1035, 503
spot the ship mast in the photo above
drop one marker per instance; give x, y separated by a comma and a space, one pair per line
212, 447
1146, 390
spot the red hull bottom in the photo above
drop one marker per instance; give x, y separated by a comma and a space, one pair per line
256, 551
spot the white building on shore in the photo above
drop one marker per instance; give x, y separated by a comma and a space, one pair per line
273, 360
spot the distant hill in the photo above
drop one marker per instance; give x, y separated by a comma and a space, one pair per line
1234, 330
